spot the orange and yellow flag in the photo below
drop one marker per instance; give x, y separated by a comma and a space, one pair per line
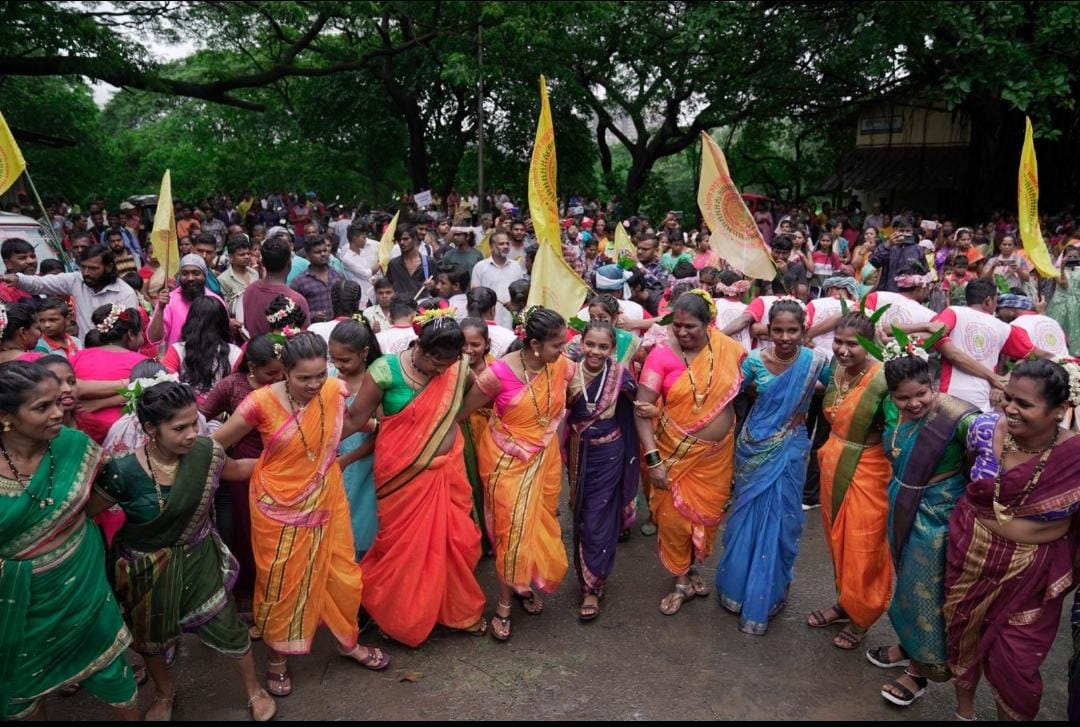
1027, 205
163, 243
484, 245
554, 284
12, 163
386, 242
543, 202
735, 235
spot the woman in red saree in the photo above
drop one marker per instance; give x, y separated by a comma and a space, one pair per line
419, 571
520, 458
1012, 541
301, 535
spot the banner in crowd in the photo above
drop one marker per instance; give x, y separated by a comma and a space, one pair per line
163, 241
543, 202
1027, 205
554, 284
735, 235
422, 199
12, 163
386, 243
622, 244
484, 244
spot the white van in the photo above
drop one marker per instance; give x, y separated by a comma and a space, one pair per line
27, 228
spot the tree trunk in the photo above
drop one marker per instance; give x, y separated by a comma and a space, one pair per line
636, 179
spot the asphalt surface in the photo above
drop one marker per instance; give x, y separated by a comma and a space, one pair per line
631, 663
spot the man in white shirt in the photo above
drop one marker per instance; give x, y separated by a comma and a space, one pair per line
1044, 332
497, 272
400, 334
341, 227
360, 260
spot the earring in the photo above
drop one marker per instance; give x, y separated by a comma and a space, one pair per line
7, 426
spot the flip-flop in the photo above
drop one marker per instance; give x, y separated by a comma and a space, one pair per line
849, 640
376, 658
278, 684
504, 622
530, 603
589, 611
681, 594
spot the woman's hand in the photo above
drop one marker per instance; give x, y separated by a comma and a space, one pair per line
658, 477
645, 410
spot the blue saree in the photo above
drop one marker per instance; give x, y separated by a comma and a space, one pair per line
359, 480
761, 539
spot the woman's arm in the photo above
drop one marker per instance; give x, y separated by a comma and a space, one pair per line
89, 389
738, 324
97, 504
92, 405
238, 469
232, 431
474, 400
644, 408
367, 400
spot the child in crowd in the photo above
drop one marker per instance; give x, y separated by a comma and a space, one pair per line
54, 316
708, 277
69, 399
378, 315
826, 262
955, 279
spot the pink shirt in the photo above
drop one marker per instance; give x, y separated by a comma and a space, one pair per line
176, 312
100, 364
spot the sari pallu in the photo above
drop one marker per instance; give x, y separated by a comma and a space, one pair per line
59, 621
854, 498
761, 540
699, 472
419, 571
603, 472
173, 574
306, 573
1003, 599
918, 528
521, 458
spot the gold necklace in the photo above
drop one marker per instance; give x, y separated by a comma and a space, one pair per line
153, 476
311, 454
781, 361
900, 421
543, 419
844, 385
699, 397
1001, 513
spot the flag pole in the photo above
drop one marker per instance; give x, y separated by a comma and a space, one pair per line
58, 247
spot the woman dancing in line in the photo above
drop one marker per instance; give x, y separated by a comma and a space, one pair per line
689, 442
854, 482
1012, 543
761, 539
602, 446
478, 343
419, 571
520, 457
924, 438
170, 569
306, 572
59, 621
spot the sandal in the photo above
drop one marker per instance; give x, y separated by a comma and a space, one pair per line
376, 658
904, 696
961, 718
849, 638
500, 625
589, 611
477, 629
278, 683
162, 715
264, 715
818, 619
673, 602
530, 602
697, 584
879, 656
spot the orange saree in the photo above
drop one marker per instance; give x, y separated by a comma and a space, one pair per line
419, 570
855, 500
300, 529
520, 457
688, 513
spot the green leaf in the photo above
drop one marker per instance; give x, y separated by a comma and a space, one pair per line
869, 346
879, 313
577, 324
901, 337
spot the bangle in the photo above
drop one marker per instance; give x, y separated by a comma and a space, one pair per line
652, 458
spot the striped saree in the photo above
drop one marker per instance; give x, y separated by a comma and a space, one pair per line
300, 528
854, 497
419, 571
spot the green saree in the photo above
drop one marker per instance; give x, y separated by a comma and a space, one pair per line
171, 571
59, 622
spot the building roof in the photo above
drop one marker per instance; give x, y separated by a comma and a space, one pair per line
903, 168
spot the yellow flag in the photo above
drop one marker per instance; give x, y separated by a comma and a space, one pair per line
484, 246
12, 163
622, 244
386, 242
735, 235
1027, 204
163, 235
543, 202
554, 283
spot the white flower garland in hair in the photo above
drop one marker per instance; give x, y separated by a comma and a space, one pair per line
135, 389
275, 318
1072, 368
893, 350
110, 320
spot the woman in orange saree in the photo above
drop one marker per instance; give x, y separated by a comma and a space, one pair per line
301, 535
521, 460
690, 449
855, 477
419, 571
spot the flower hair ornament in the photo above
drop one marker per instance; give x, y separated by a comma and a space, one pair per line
116, 313
521, 320
705, 296
441, 316
277, 317
738, 288
134, 390
1072, 368
901, 345
789, 298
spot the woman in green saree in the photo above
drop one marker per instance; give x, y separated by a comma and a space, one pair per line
170, 569
59, 622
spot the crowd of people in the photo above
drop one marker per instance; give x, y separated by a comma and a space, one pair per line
291, 432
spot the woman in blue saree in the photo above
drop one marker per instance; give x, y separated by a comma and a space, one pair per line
761, 540
602, 446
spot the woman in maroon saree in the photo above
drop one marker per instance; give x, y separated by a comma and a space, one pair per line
1012, 542
603, 465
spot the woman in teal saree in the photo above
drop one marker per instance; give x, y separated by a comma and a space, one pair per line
169, 567
59, 622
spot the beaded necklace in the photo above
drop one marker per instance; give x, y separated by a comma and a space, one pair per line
311, 454
1001, 513
23, 481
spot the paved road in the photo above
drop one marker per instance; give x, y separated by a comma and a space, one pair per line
632, 663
